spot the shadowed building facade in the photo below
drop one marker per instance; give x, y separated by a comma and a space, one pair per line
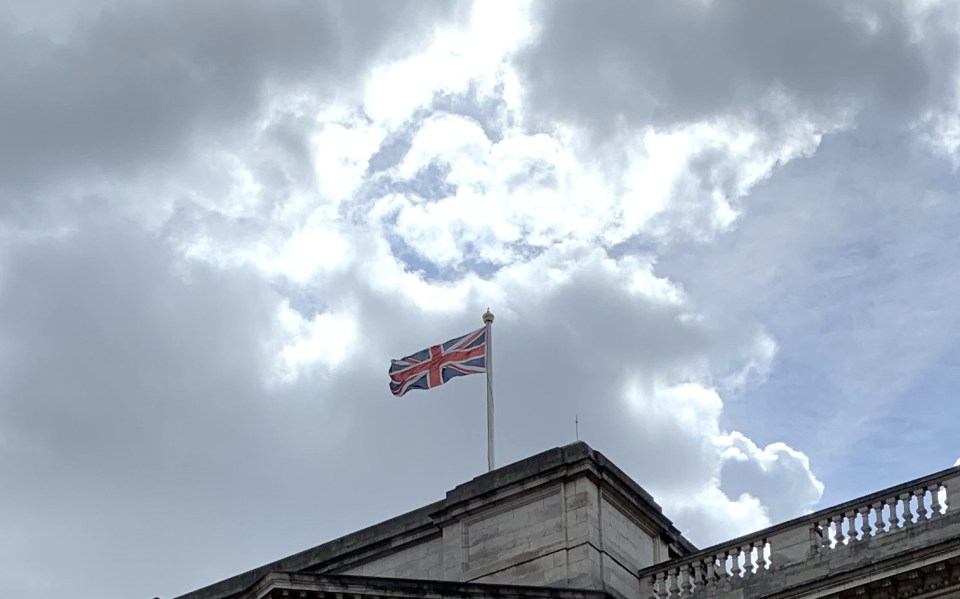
569, 524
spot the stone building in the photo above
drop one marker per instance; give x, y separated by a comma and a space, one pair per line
569, 524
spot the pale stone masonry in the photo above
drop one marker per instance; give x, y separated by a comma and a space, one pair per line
568, 524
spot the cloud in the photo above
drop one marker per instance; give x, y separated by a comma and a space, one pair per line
167, 408
779, 475
843, 255
142, 85
618, 63
638, 362
132, 395
246, 211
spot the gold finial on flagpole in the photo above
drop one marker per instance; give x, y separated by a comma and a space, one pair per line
488, 316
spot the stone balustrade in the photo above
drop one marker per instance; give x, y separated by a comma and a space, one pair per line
835, 528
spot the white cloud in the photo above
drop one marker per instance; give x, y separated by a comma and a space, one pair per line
459, 58
318, 344
757, 365
779, 475
342, 152
708, 515
737, 487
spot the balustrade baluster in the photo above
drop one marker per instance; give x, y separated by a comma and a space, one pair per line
748, 560
921, 495
673, 574
722, 572
709, 572
825, 534
878, 518
864, 522
894, 517
710, 575
934, 499
700, 574
696, 578
838, 529
735, 563
907, 511
761, 560
852, 525
686, 587
660, 585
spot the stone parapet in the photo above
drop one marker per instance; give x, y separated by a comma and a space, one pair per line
899, 518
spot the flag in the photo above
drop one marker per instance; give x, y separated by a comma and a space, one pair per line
436, 365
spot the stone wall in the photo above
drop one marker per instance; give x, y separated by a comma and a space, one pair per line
419, 560
626, 546
520, 530
570, 533
562, 529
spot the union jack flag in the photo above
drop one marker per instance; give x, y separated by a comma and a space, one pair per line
436, 365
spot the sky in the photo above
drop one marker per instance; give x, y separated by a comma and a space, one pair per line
719, 235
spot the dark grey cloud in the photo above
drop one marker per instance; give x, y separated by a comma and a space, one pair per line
129, 385
83, 305
138, 83
610, 64
143, 450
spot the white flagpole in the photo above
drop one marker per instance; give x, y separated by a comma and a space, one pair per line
488, 321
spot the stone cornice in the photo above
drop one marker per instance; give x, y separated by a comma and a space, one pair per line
312, 585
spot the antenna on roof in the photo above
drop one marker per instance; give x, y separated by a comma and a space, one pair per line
576, 424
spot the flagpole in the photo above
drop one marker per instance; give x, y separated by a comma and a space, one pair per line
488, 321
